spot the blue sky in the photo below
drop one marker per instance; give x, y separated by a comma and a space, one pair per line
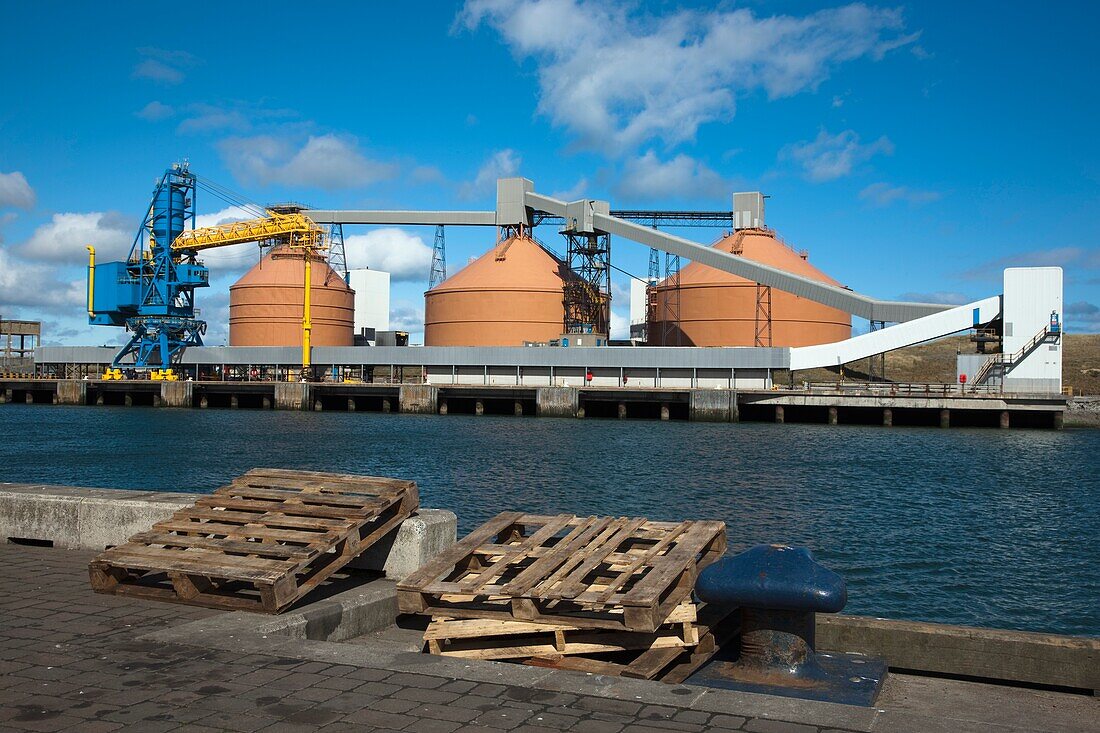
914, 150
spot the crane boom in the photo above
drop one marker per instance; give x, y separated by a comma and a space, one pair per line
298, 228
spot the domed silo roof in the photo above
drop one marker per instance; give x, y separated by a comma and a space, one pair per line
718, 308
265, 305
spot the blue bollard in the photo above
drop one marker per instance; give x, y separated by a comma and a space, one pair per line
779, 590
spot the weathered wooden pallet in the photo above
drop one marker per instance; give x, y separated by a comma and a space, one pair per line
672, 665
260, 543
495, 639
588, 572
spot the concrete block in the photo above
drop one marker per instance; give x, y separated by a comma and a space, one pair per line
42, 516
177, 394
346, 615
418, 399
292, 396
72, 392
419, 538
557, 401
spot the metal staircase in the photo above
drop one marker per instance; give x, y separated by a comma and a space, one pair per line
1002, 364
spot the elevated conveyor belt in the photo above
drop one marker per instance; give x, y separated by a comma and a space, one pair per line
897, 336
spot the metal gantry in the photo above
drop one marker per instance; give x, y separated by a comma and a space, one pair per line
763, 315
671, 333
876, 364
588, 292
438, 272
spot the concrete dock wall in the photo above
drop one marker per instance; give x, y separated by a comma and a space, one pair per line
998, 654
74, 517
72, 392
292, 396
177, 394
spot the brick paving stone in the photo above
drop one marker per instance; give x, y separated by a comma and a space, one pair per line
394, 705
420, 694
731, 722
612, 707
777, 726
445, 712
502, 718
433, 726
415, 680
377, 719
596, 726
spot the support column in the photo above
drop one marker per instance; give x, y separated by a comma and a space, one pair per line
292, 396
387, 406
1059, 420
1005, 419
351, 404
557, 402
234, 401
266, 403
779, 413
712, 405
317, 406
664, 411
622, 410
177, 394
945, 418
479, 407
442, 407
99, 400
204, 402
832, 416
887, 417
418, 399
517, 408
128, 400
72, 392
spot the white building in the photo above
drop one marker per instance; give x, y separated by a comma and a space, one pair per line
372, 299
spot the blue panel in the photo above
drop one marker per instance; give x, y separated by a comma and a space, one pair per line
977, 316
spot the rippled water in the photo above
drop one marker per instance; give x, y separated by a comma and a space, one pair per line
978, 527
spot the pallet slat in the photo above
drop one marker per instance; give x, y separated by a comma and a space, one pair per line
258, 548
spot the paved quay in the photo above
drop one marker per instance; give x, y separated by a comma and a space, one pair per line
73, 660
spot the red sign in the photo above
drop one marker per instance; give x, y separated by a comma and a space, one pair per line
962, 379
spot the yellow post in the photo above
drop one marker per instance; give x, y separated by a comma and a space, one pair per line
91, 279
307, 321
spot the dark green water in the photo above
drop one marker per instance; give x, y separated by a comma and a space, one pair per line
978, 527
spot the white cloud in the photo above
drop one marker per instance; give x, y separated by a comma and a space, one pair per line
64, 237
155, 111
501, 164
405, 316
620, 323
618, 77
883, 194
28, 284
829, 157
15, 191
649, 177
405, 256
207, 118
162, 65
326, 161
574, 192
232, 259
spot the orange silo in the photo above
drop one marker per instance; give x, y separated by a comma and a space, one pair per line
265, 305
509, 295
718, 308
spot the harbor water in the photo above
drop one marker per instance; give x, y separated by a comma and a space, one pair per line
977, 527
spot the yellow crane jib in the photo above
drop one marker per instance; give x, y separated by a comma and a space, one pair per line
296, 228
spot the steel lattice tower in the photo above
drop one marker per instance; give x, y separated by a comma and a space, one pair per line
438, 272
337, 257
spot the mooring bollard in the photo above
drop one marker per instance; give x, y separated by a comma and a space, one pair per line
779, 590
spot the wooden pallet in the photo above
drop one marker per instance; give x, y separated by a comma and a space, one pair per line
496, 639
716, 626
260, 543
587, 572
